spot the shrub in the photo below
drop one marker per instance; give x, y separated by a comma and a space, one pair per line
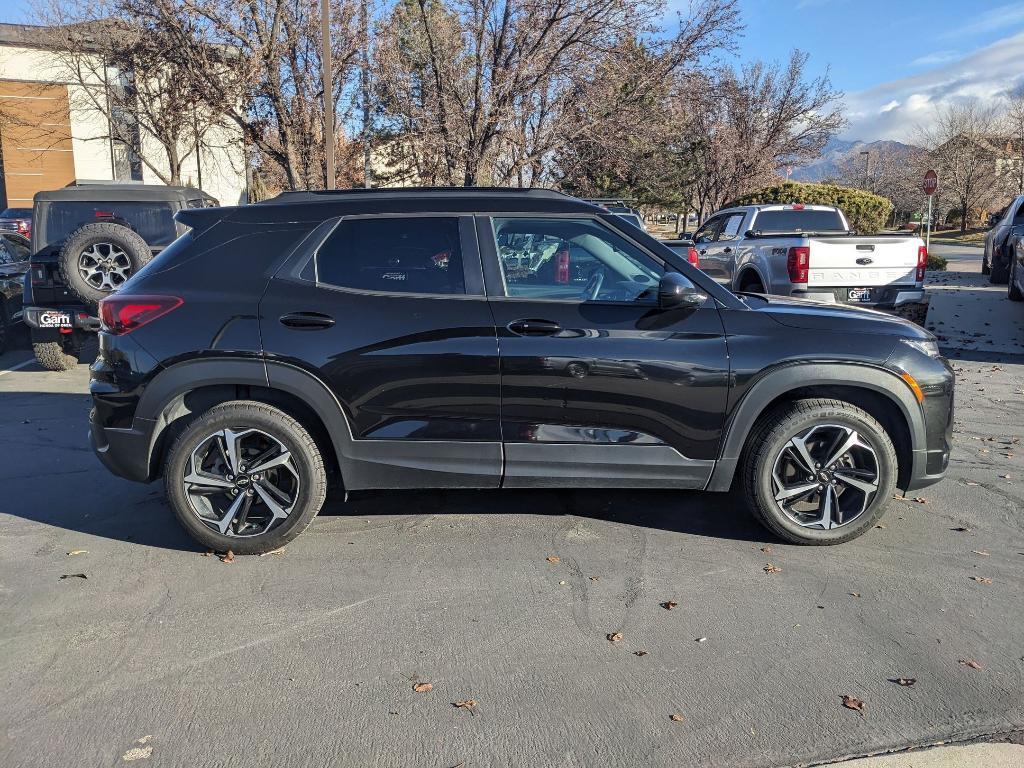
865, 211
937, 263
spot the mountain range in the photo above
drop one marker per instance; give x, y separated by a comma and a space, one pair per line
838, 152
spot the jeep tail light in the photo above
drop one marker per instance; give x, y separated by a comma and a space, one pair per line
922, 262
123, 314
692, 257
797, 262
562, 266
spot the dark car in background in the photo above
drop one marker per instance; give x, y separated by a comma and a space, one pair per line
17, 221
87, 241
1000, 242
493, 338
14, 260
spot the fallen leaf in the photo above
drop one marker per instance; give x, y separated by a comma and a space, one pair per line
702, 639
78, 552
970, 663
766, 549
920, 500
970, 483
852, 702
554, 559
595, 578
137, 753
465, 704
772, 568
854, 594
562, 583
1005, 477
981, 579
880, 525
73, 576
423, 687
615, 636
228, 557
981, 552
668, 605
961, 529
278, 551
639, 653
906, 682
675, 717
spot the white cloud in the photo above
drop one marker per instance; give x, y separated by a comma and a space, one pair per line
936, 57
893, 110
991, 20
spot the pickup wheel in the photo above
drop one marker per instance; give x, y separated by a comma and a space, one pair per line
751, 284
818, 471
246, 477
53, 356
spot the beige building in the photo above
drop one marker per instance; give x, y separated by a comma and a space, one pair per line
51, 133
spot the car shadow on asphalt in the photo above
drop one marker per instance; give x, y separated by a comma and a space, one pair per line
714, 515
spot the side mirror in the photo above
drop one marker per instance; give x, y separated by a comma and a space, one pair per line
675, 291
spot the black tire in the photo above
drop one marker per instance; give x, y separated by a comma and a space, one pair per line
53, 356
751, 284
5, 327
271, 422
113, 244
766, 443
999, 271
1013, 292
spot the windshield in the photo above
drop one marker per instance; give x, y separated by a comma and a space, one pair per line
154, 221
793, 220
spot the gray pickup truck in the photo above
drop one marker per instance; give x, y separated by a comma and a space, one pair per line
809, 251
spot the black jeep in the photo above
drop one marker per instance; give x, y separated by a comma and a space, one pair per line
87, 240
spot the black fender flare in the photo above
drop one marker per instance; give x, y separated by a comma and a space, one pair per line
794, 376
186, 376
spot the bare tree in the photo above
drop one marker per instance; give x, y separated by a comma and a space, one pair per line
1013, 127
959, 140
259, 62
120, 69
751, 123
490, 91
892, 172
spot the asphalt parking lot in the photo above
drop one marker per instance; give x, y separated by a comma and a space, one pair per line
149, 651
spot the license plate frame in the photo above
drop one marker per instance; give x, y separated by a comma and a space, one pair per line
860, 295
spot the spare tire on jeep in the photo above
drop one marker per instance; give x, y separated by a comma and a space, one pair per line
98, 258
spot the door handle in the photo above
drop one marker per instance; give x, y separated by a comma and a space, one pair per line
307, 321
703, 251
534, 327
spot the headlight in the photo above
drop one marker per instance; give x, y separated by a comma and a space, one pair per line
929, 347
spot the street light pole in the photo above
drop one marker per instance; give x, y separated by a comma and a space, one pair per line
325, 46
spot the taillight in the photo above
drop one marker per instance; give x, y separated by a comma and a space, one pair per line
797, 262
922, 262
562, 267
693, 258
123, 314
797, 206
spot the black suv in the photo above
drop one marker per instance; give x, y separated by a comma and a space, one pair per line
87, 240
493, 338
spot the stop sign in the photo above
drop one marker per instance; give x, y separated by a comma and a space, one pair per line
931, 183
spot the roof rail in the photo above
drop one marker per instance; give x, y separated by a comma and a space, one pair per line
327, 194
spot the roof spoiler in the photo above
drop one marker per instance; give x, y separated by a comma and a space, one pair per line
199, 219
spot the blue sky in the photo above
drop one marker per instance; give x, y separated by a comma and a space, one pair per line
895, 60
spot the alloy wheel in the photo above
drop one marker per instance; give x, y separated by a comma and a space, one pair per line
825, 477
104, 266
241, 482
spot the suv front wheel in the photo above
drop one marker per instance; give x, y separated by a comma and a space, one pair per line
245, 477
819, 471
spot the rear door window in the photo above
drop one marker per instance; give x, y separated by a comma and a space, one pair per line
154, 221
401, 254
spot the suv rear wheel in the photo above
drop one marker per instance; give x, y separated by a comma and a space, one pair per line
819, 471
245, 477
98, 258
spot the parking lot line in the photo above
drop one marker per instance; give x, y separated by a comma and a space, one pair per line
20, 365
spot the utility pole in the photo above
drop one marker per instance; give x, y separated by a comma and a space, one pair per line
325, 56
364, 84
